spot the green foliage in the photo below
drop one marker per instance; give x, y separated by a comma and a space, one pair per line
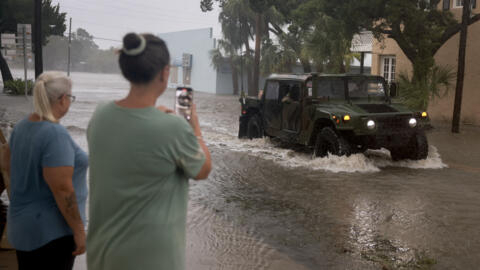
419, 27
21, 11
277, 58
418, 93
17, 87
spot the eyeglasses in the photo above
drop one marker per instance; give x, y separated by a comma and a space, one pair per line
72, 98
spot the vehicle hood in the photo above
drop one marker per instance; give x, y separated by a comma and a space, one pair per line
365, 108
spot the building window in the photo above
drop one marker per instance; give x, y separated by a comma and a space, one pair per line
389, 64
446, 4
459, 3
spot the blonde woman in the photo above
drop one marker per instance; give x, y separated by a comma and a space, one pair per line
48, 182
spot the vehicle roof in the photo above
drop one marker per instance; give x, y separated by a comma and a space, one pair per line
304, 77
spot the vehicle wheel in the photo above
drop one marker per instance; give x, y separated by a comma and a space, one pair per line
418, 146
328, 141
416, 149
254, 130
242, 129
398, 154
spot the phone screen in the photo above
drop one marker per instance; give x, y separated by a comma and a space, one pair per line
184, 101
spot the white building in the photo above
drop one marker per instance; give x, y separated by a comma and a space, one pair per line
191, 63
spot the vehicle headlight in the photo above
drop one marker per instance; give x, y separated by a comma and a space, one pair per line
371, 124
346, 118
412, 122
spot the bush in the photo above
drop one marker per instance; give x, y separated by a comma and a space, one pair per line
17, 87
417, 94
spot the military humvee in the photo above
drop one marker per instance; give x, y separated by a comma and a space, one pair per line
336, 114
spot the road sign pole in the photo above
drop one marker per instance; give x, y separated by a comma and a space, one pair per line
25, 57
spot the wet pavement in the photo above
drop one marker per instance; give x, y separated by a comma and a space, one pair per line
269, 206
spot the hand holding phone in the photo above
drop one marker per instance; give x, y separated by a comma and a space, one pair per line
183, 102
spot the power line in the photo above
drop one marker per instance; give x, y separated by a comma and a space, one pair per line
141, 15
107, 39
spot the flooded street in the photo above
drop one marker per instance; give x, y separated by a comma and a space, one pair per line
269, 206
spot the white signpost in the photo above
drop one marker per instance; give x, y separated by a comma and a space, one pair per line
24, 41
8, 46
19, 46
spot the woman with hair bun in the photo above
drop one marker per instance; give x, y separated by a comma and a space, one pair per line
46, 215
141, 158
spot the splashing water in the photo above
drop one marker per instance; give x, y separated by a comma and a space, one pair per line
370, 162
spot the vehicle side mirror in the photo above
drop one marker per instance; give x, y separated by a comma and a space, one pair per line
393, 90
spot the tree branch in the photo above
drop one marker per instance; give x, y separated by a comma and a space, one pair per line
452, 31
396, 34
273, 31
278, 29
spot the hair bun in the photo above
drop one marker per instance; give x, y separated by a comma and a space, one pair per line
134, 44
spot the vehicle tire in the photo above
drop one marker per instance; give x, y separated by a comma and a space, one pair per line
254, 129
328, 141
416, 149
398, 153
418, 146
242, 128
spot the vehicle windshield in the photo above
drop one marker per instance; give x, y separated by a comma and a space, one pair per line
327, 88
365, 88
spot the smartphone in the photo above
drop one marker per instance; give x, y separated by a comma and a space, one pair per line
183, 102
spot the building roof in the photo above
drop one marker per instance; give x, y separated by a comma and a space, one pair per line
362, 42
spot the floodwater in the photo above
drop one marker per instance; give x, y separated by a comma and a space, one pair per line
268, 206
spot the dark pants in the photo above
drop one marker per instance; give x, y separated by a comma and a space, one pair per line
56, 255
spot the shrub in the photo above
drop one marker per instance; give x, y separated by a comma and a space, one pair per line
17, 87
418, 93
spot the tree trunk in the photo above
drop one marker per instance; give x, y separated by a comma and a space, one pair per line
248, 66
256, 64
234, 76
6, 74
457, 108
342, 68
307, 67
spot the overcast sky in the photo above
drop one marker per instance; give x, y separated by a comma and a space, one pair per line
111, 19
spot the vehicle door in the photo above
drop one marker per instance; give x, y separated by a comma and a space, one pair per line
272, 107
290, 93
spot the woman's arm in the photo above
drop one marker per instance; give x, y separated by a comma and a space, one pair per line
5, 167
59, 179
207, 166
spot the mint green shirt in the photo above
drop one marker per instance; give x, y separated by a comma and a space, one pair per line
140, 163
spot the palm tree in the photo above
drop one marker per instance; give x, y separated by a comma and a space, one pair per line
225, 52
237, 20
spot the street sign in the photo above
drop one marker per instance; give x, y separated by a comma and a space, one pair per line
10, 52
22, 27
8, 39
187, 60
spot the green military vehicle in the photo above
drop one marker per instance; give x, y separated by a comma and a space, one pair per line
336, 114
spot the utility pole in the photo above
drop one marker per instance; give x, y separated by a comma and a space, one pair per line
37, 32
457, 108
69, 46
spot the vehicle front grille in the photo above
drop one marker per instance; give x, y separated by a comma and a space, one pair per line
377, 108
395, 124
